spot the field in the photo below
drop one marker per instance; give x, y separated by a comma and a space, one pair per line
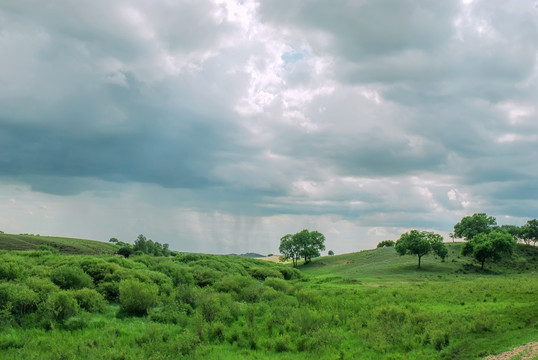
367, 305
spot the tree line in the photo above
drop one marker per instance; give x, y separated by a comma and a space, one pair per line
484, 239
142, 246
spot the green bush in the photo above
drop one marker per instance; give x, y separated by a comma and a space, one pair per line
180, 274
110, 290
43, 287
290, 273
136, 298
71, 277
278, 284
60, 306
263, 273
11, 271
204, 277
19, 297
90, 300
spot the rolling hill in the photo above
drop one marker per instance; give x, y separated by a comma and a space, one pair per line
62, 244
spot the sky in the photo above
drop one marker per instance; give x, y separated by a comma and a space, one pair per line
219, 126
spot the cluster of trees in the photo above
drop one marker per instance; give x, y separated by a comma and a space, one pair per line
487, 241
480, 223
142, 246
421, 243
304, 244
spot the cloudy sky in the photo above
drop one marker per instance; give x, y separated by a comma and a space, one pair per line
219, 126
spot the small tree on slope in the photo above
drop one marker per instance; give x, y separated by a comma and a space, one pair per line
420, 243
494, 245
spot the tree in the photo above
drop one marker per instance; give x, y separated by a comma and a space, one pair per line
113, 240
125, 251
304, 244
513, 230
288, 248
470, 226
421, 243
494, 245
386, 243
529, 231
452, 236
141, 244
330, 253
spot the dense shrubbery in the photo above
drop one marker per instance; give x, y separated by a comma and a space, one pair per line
202, 306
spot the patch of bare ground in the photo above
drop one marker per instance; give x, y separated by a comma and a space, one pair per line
525, 352
274, 258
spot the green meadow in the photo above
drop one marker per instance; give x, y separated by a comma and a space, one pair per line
371, 304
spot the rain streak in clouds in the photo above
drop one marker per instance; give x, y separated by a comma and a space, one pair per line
219, 126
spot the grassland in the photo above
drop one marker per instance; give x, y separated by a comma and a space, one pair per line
62, 244
367, 305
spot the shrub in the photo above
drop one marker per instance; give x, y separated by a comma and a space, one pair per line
263, 273
60, 306
110, 290
290, 273
71, 277
178, 273
278, 284
19, 297
136, 298
41, 286
204, 277
209, 306
11, 271
46, 248
90, 300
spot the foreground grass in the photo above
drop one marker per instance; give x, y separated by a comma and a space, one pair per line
368, 305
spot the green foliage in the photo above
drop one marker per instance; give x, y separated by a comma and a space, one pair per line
59, 306
136, 298
372, 305
529, 231
494, 246
386, 243
125, 251
262, 273
304, 244
470, 226
10, 270
71, 277
90, 300
145, 246
18, 297
420, 243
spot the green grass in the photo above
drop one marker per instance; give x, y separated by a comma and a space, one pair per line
366, 305
62, 244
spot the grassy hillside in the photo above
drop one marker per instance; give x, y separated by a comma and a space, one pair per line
386, 265
64, 245
367, 305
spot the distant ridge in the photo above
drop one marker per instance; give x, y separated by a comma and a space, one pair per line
248, 255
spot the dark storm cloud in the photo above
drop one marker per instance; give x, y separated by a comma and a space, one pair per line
408, 113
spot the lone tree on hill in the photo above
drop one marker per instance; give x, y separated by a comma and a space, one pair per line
494, 245
304, 244
421, 243
470, 226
